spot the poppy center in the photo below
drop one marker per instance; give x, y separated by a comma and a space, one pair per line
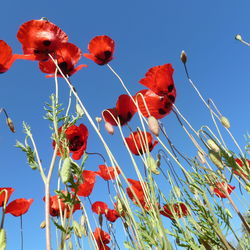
46, 43
75, 143
63, 66
107, 53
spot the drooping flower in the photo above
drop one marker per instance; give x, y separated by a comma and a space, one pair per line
107, 173
67, 56
156, 106
140, 142
102, 239
136, 187
18, 207
246, 169
124, 111
77, 140
99, 207
85, 187
40, 37
178, 209
220, 189
101, 49
5, 193
160, 80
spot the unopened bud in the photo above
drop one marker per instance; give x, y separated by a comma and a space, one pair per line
2, 239
158, 163
100, 219
98, 119
77, 229
225, 122
10, 125
216, 159
151, 163
79, 110
109, 128
66, 170
201, 157
44, 19
213, 146
183, 57
43, 224
153, 125
238, 37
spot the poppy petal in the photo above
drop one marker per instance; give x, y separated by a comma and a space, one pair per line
18, 207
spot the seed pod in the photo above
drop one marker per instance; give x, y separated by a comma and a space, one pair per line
109, 128
10, 125
79, 110
77, 229
213, 146
66, 170
225, 122
183, 57
153, 125
238, 37
151, 163
216, 159
2, 239
43, 224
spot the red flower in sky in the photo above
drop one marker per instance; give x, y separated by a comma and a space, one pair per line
219, 187
107, 173
137, 188
140, 142
112, 215
159, 79
18, 207
101, 49
67, 55
158, 106
102, 238
55, 204
7, 58
86, 187
77, 140
178, 209
8, 191
124, 111
243, 167
40, 37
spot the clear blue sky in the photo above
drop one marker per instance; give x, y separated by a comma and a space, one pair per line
147, 33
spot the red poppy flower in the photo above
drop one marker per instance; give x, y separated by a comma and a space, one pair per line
124, 111
99, 207
101, 49
178, 209
112, 215
159, 79
140, 142
7, 58
18, 207
40, 37
158, 106
243, 167
86, 187
219, 187
3, 192
67, 55
107, 173
77, 140
56, 203
137, 188
102, 238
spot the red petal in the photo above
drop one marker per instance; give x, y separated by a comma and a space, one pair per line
19, 206
107, 173
111, 116
99, 207
112, 215
8, 191
6, 57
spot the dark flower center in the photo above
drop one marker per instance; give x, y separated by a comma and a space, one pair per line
107, 54
162, 111
46, 43
75, 143
63, 66
172, 98
170, 87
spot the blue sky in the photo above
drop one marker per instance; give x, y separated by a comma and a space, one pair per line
147, 33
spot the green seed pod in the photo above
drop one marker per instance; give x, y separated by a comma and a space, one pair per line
213, 146
43, 224
238, 37
77, 229
153, 125
66, 170
152, 165
10, 125
79, 110
2, 239
225, 122
216, 159
183, 57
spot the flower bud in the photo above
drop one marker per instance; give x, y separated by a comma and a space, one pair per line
43, 224
183, 57
2, 239
213, 146
151, 164
98, 119
109, 128
225, 122
79, 110
10, 125
216, 159
238, 37
201, 157
66, 170
153, 125
77, 229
